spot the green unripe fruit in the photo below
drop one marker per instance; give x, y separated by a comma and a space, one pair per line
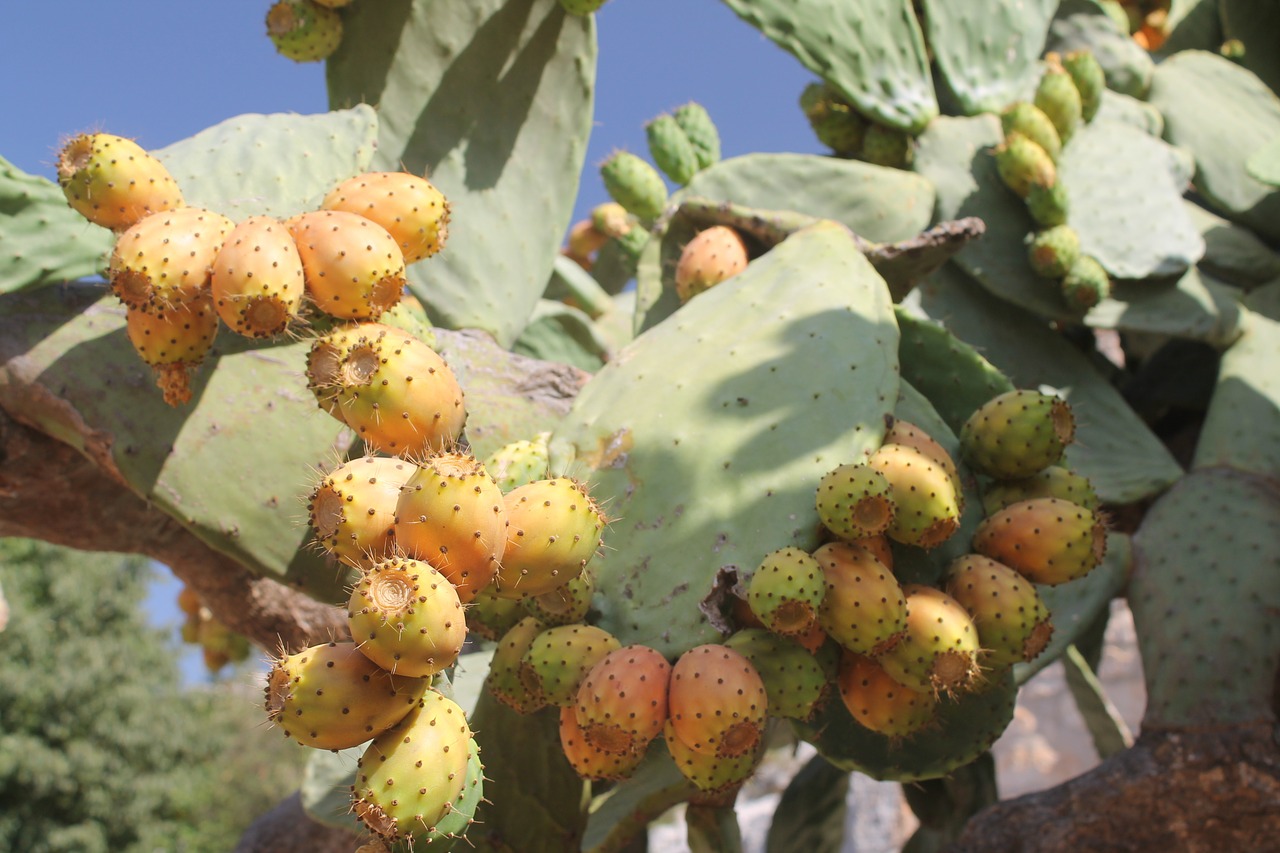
1089, 78
304, 31
1047, 540
1013, 622
855, 501
490, 616
1016, 434
1053, 482
785, 591
1022, 164
700, 131
1053, 251
671, 149
504, 680
710, 773
1031, 122
886, 146
634, 184
407, 618
939, 652
1086, 283
519, 462
461, 813
632, 243
565, 604
879, 703
1059, 98
794, 681
836, 124
559, 659
1048, 204
864, 609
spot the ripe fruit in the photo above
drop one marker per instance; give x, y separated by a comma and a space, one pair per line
174, 341
714, 255
716, 701
588, 761
113, 181
553, 530
855, 501
864, 609
709, 772
622, 703
925, 492
410, 208
879, 703
940, 650
406, 617
352, 267
257, 278
165, 260
353, 509
1013, 622
304, 31
1047, 540
1016, 434
504, 680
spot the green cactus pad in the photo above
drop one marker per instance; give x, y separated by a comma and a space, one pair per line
469, 92
1085, 25
987, 51
274, 165
1222, 113
559, 332
42, 240
727, 444
1116, 107
1233, 254
872, 51
1204, 595
1252, 23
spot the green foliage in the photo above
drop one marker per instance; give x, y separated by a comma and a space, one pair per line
100, 747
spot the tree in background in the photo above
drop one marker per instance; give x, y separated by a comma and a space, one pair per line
101, 748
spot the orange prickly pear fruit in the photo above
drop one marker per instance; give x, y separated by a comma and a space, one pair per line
257, 278
410, 208
622, 703
166, 259
353, 269
717, 702
714, 255
553, 531
173, 341
113, 181
878, 702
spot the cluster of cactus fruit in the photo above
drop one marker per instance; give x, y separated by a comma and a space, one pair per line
848, 133
179, 270
219, 645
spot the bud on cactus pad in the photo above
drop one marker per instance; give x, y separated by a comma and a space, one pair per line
1052, 482
588, 761
353, 509
565, 604
855, 501
352, 267
519, 462
392, 389
1059, 98
786, 590
794, 681
173, 341
1085, 284
1089, 78
407, 618
1013, 622
708, 772
410, 208
553, 530
256, 278
879, 703
1022, 164
1047, 540
836, 124
717, 701
671, 149
1053, 251
452, 515
165, 260
559, 659
1031, 122
1017, 433
113, 181
635, 185
940, 650
712, 256
927, 498
1048, 205
622, 703
504, 680
886, 146
304, 31
408, 778
864, 609
701, 132
333, 697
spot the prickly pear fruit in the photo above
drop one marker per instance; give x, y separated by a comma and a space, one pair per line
165, 259
461, 811
622, 703
1089, 78
490, 616
710, 773
407, 618
1048, 205
304, 31
864, 609
583, 242
794, 682
410, 208
926, 495
855, 501
671, 149
1052, 482
1048, 540
353, 509
408, 778
785, 591
713, 255
588, 761
553, 530
566, 604
256, 278
1059, 98
353, 268
1086, 283
519, 462
1053, 251
880, 547
908, 434
701, 132
939, 653
886, 146
1013, 622
879, 703
836, 124
173, 341
504, 680
1022, 164
581, 7
612, 220
1029, 120
333, 697
452, 515
634, 184
559, 659
716, 701
113, 181
1018, 433
392, 389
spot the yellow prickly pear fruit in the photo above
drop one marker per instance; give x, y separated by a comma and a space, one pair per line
864, 609
410, 208
353, 268
939, 653
256, 279
113, 181
714, 255
1017, 434
173, 341
553, 530
926, 495
353, 509
407, 618
167, 259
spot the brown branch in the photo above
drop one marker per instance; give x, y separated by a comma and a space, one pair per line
288, 827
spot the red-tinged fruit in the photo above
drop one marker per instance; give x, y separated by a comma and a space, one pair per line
1047, 540
173, 341
709, 772
711, 257
622, 703
716, 701
353, 268
939, 652
304, 30
877, 702
353, 509
1013, 621
406, 617
855, 501
786, 590
257, 278
113, 181
410, 208
166, 260
588, 761
553, 531
864, 609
